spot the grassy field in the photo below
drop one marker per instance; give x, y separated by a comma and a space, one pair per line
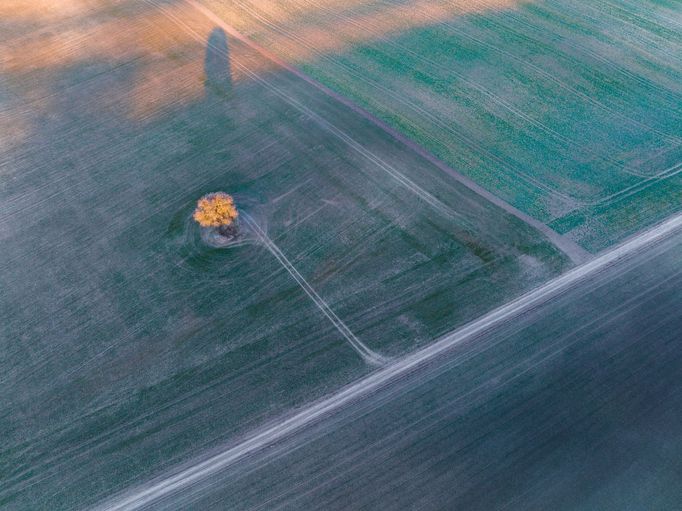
576, 406
127, 343
570, 111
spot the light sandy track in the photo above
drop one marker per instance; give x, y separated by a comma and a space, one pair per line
576, 253
363, 350
166, 486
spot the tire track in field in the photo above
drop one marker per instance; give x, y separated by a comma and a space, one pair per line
537, 69
437, 121
481, 89
576, 253
512, 373
472, 145
328, 125
259, 440
580, 48
369, 356
639, 31
663, 175
642, 185
672, 96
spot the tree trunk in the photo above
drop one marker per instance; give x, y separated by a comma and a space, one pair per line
228, 231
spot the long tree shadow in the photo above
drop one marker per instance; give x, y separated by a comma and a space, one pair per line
218, 80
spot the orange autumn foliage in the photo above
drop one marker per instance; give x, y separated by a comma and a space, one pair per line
215, 210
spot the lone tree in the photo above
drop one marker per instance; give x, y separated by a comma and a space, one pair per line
217, 210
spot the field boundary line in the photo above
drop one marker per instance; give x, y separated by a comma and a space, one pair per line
380, 378
575, 252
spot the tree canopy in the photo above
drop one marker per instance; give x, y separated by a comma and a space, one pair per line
215, 210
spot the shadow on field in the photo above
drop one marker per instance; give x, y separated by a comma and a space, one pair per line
217, 64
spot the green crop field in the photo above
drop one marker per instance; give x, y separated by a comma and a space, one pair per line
399, 172
571, 111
